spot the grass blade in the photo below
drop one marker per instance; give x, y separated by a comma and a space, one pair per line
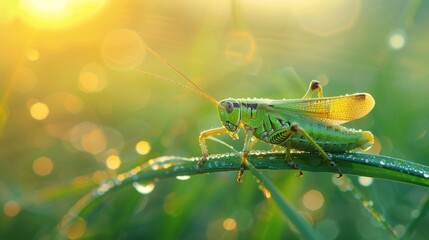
301, 225
376, 166
418, 220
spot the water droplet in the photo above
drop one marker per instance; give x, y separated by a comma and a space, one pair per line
135, 170
426, 175
155, 167
382, 162
144, 189
117, 182
358, 196
121, 177
183, 178
104, 187
167, 165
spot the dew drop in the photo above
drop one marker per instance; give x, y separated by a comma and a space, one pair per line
426, 175
166, 165
382, 162
358, 196
144, 189
104, 187
183, 178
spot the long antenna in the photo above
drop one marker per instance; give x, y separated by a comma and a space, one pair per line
171, 81
201, 93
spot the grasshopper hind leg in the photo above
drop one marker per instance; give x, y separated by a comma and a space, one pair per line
298, 130
312, 88
284, 138
289, 160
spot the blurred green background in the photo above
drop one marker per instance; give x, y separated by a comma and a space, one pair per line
74, 111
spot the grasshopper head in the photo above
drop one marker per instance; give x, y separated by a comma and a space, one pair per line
229, 113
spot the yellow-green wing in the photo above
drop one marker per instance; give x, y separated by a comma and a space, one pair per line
334, 110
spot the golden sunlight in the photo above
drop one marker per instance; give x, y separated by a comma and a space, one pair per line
58, 14
8, 12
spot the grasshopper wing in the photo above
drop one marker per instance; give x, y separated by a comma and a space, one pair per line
331, 110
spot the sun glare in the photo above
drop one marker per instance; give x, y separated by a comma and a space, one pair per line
57, 14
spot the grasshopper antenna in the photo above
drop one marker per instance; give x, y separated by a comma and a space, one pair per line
172, 81
201, 91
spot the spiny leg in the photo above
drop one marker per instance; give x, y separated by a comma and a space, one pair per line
202, 139
313, 87
298, 129
289, 160
249, 142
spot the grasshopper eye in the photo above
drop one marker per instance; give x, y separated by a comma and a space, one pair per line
229, 107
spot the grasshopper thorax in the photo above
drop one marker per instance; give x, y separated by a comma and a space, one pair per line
229, 112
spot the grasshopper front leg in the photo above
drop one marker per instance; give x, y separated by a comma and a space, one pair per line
249, 142
202, 139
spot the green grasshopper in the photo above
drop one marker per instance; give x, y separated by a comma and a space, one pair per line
307, 124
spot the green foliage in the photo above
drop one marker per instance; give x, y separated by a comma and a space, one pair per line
375, 166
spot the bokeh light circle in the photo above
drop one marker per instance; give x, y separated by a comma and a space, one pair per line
143, 147
123, 49
313, 200
43, 166
39, 111
11, 208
